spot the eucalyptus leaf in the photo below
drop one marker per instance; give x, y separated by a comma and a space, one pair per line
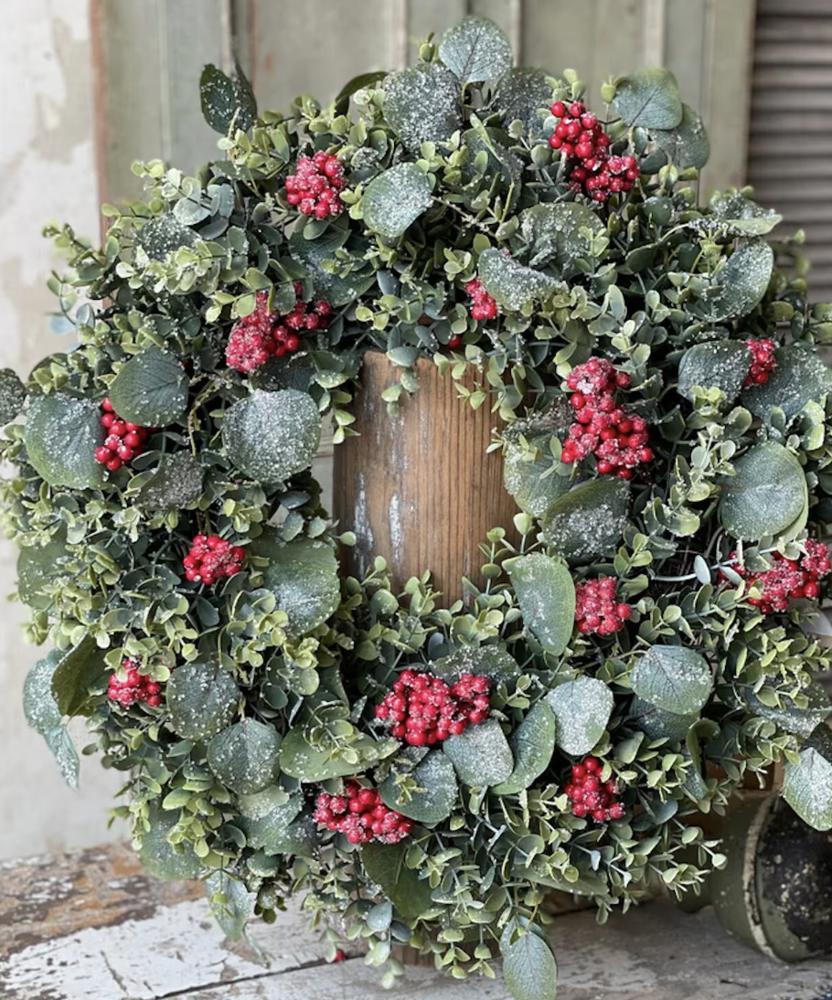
162, 234
175, 484
271, 436
561, 235
799, 377
532, 744
421, 104
387, 866
514, 286
61, 436
529, 968
741, 282
201, 700
338, 290
767, 493
12, 395
546, 595
675, 679
733, 214
300, 759
687, 144
807, 784
151, 389
649, 98
587, 522
45, 717
395, 199
227, 101
159, 856
521, 94
582, 709
244, 756
720, 364
530, 474
659, 724
492, 661
232, 905
481, 755
77, 675
802, 720
475, 49
437, 794
39, 567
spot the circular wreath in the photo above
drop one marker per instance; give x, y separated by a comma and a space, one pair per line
425, 775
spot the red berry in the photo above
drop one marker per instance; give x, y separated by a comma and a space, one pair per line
360, 815
124, 441
136, 687
423, 710
787, 579
313, 187
264, 333
763, 361
211, 558
588, 797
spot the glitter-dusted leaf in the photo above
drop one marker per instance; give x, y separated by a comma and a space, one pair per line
661, 725
807, 784
530, 474
521, 94
312, 253
232, 905
766, 495
437, 794
494, 662
63, 750
227, 101
687, 144
175, 485
421, 104
673, 678
272, 435
163, 234
201, 700
151, 389
244, 756
161, 858
721, 364
78, 674
587, 522
61, 437
649, 98
12, 395
38, 567
514, 286
406, 890
561, 236
44, 716
735, 215
481, 755
529, 968
800, 719
582, 709
546, 595
299, 759
475, 49
395, 199
740, 283
532, 743
270, 825
799, 377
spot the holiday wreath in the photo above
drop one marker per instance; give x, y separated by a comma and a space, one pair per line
418, 774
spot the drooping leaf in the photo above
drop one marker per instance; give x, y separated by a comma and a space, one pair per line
532, 743
159, 856
175, 485
434, 802
386, 865
151, 389
61, 437
546, 595
587, 522
44, 716
800, 719
582, 709
232, 905
807, 784
78, 672
395, 199
561, 236
514, 286
63, 750
475, 49
530, 474
740, 283
649, 98
244, 756
721, 364
227, 101
766, 495
799, 377
481, 755
12, 395
733, 214
201, 700
687, 144
529, 968
673, 678
299, 759
421, 104
521, 94
272, 435
494, 662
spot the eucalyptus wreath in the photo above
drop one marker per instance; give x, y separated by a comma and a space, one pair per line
647, 638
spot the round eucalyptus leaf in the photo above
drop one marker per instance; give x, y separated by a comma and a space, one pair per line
529, 968
244, 756
151, 389
494, 662
407, 891
735, 215
546, 595
532, 743
436, 777
514, 286
273, 831
687, 144
227, 101
475, 49
587, 522
61, 436
271, 436
521, 94
807, 784
201, 700
721, 364
162, 234
582, 709
175, 484
767, 494
312, 253
799, 377
39, 567
740, 284
661, 725
649, 98
561, 236
673, 678
395, 199
12, 395
481, 755
161, 858
421, 104
299, 759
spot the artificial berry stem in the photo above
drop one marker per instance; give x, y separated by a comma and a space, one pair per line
360, 815
423, 710
591, 797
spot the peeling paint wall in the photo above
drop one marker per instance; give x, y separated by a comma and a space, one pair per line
47, 165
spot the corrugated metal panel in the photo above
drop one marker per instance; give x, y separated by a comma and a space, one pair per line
790, 142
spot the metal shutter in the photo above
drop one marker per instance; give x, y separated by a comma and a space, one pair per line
790, 141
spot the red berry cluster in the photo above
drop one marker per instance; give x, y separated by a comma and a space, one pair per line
422, 709
762, 361
582, 140
788, 579
602, 428
314, 186
483, 305
135, 687
264, 334
360, 815
210, 558
123, 442
590, 796
596, 609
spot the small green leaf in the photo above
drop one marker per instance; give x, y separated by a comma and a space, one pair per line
386, 865
807, 784
299, 759
12, 395
532, 743
434, 803
475, 49
201, 700
529, 968
721, 364
244, 756
687, 144
421, 104
767, 494
546, 595
61, 436
161, 858
227, 101
271, 436
79, 671
514, 286
739, 285
582, 709
649, 98
151, 389
799, 377
561, 236
675, 679
395, 199
587, 523
481, 755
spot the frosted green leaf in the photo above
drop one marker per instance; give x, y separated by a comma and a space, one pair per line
740, 283
12, 395
529, 968
475, 49
481, 755
161, 858
735, 215
766, 495
303, 575
802, 720
163, 234
529, 477
387, 867
395, 199
514, 286
546, 595
561, 236
673, 678
66, 756
532, 743
499, 160
39, 566
582, 709
435, 801
77, 675
493, 662
272, 435
658, 724
227, 101
299, 759
232, 905
312, 253
588, 522
649, 98
799, 377
61, 437
720, 364
275, 831
521, 94
268, 801
201, 700
421, 104
807, 784
151, 389
176, 483
687, 145
39, 705
244, 756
